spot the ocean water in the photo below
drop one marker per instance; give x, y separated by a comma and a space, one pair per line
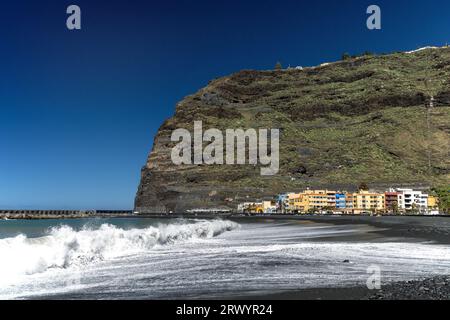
178, 258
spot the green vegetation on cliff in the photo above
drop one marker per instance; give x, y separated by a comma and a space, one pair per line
443, 194
380, 119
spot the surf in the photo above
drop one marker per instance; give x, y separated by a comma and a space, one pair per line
65, 247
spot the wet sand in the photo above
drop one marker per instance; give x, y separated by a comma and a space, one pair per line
426, 228
416, 228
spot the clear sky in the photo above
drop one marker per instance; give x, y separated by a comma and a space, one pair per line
79, 109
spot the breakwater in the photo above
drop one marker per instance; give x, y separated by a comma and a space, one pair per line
61, 214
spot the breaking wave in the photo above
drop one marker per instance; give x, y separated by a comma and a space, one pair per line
64, 247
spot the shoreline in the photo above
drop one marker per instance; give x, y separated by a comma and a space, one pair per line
433, 229
408, 227
31, 216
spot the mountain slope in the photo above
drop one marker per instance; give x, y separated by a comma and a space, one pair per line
362, 119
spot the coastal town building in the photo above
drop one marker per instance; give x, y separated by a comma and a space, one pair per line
433, 205
341, 202
251, 207
318, 199
258, 207
432, 202
414, 200
331, 199
269, 207
298, 203
282, 202
392, 201
349, 202
368, 202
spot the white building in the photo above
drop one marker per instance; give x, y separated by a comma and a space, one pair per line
242, 207
413, 199
401, 200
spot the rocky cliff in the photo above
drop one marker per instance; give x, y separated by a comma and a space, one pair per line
383, 120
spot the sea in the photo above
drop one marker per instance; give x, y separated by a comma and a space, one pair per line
149, 258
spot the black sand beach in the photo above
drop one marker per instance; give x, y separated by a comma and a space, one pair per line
429, 229
404, 232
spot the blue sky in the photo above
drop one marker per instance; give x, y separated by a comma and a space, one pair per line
79, 109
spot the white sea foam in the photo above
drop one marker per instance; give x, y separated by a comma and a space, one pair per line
65, 247
186, 261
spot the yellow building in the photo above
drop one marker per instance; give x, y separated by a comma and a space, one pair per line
251, 207
319, 199
365, 201
298, 202
349, 200
331, 199
316, 200
259, 208
432, 202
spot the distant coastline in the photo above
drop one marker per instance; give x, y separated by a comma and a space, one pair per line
60, 214
79, 214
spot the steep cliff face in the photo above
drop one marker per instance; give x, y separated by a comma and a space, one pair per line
363, 119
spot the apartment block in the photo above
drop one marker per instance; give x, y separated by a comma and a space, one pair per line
365, 201
414, 200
